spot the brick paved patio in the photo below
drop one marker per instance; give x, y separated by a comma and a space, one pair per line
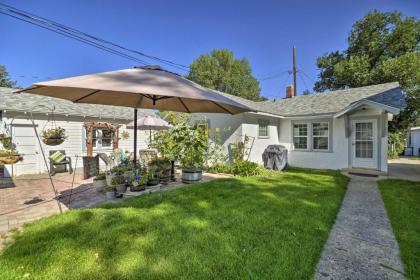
27, 198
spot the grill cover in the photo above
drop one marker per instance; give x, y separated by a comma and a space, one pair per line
275, 157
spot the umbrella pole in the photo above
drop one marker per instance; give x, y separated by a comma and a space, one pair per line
150, 135
135, 136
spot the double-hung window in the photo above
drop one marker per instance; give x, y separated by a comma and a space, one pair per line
320, 136
102, 138
263, 129
300, 136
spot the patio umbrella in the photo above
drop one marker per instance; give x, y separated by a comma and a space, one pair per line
149, 87
149, 123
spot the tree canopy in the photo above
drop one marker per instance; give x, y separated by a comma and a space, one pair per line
5, 80
382, 47
219, 70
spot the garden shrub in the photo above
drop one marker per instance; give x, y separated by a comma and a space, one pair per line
396, 143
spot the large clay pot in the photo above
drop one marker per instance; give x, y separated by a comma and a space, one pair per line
191, 176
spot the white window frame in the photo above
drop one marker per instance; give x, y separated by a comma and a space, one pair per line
308, 129
95, 145
265, 123
310, 145
313, 136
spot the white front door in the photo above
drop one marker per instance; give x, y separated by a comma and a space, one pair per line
364, 143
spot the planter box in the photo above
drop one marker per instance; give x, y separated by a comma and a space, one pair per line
99, 184
121, 188
110, 195
109, 179
191, 176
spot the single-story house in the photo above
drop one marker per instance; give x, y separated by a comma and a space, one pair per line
50, 112
343, 129
413, 142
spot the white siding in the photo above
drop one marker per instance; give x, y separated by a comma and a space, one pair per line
33, 162
280, 132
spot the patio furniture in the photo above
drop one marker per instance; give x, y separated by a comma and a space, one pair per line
109, 162
60, 165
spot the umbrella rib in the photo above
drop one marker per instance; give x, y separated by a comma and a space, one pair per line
86, 96
223, 108
185, 106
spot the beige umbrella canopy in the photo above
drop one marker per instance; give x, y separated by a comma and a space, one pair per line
148, 87
149, 123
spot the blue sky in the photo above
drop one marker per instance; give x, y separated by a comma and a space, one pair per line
261, 31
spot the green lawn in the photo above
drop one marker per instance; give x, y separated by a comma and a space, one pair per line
239, 228
402, 202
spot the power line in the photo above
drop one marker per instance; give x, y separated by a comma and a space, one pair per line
273, 76
84, 37
81, 40
301, 77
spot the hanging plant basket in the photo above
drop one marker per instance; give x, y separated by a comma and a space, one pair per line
53, 141
54, 136
9, 157
6, 141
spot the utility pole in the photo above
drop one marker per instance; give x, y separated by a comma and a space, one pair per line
294, 70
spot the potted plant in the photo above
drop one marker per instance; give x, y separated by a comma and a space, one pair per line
6, 141
109, 192
139, 183
153, 175
99, 182
194, 150
116, 171
119, 183
9, 157
54, 136
166, 168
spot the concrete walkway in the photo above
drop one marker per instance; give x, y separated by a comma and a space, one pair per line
361, 244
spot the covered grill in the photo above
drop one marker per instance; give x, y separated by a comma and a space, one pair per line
275, 157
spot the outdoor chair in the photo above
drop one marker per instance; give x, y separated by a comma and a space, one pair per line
60, 166
109, 162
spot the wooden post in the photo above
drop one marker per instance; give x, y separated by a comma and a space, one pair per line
89, 142
116, 138
294, 71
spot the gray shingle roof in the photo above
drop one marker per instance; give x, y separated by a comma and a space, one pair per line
328, 102
24, 102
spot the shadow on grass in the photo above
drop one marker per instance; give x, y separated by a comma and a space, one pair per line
234, 228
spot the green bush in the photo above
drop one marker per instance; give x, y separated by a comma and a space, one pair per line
245, 168
396, 144
100, 176
220, 168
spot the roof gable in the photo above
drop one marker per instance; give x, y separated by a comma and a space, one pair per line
329, 103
